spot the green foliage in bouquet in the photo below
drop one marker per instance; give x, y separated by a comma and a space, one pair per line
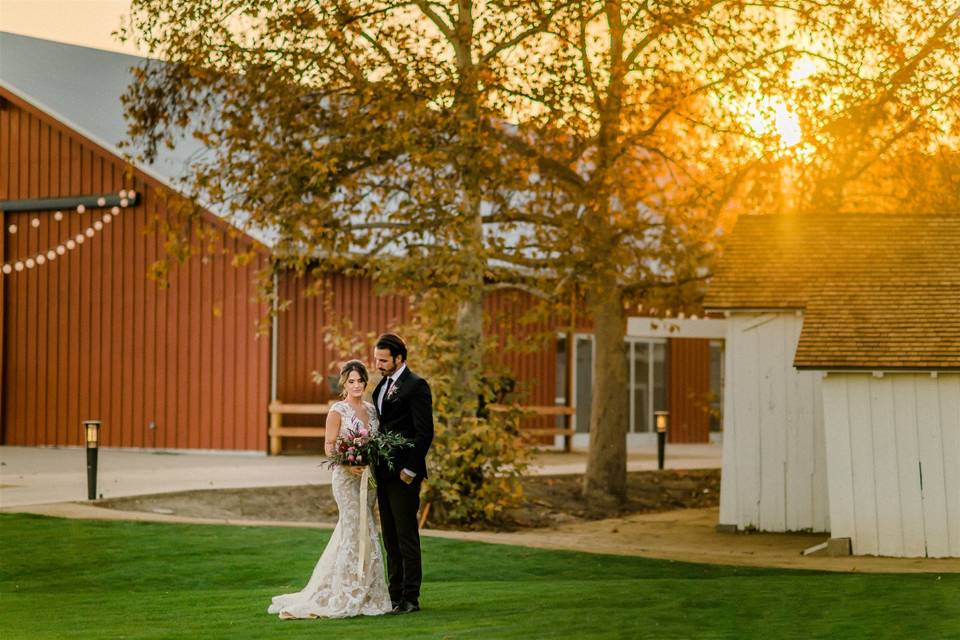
356, 446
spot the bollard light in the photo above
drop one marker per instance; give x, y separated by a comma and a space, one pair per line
661, 420
91, 430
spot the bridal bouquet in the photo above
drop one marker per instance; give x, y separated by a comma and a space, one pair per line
356, 446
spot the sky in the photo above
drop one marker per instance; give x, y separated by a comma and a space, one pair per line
83, 22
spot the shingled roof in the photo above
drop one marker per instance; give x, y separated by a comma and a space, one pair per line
877, 291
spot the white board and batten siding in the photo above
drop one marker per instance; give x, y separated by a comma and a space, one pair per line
774, 459
893, 446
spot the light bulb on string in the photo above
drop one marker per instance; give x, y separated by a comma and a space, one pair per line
41, 259
107, 218
7, 268
71, 244
12, 228
35, 223
101, 201
123, 193
89, 232
79, 238
81, 208
58, 216
18, 266
115, 210
29, 263
60, 250
124, 202
51, 255
98, 225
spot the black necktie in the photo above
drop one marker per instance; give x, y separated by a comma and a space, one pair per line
385, 392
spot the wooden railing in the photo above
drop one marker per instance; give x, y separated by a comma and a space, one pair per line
280, 430
538, 411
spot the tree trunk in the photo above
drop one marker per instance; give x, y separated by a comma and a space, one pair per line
609, 409
469, 331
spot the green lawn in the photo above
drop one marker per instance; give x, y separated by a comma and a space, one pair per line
90, 579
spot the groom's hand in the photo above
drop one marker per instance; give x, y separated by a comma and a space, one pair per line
406, 477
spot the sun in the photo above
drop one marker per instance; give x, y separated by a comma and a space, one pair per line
772, 115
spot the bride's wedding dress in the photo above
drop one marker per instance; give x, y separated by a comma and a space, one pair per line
339, 586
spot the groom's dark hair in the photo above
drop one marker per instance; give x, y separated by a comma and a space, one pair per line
395, 344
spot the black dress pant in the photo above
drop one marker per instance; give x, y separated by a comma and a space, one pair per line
398, 506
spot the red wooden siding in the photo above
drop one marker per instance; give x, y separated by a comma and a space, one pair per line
524, 349
89, 336
301, 346
302, 349
688, 388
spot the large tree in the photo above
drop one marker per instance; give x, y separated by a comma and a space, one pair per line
355, 133
574, 149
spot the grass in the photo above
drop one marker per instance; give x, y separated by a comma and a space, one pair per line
92, 579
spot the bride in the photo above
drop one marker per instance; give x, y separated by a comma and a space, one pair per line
349, 577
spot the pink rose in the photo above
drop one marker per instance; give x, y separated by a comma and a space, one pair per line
350, 458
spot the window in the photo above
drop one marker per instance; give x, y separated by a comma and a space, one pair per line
716, 385
583, 382
646, 381
640, 387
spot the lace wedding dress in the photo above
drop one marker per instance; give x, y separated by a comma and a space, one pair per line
340, 587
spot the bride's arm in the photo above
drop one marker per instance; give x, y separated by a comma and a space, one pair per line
331, 433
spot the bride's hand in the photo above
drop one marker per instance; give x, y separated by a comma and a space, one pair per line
357, 471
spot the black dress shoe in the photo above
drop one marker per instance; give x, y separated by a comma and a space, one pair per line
407, 607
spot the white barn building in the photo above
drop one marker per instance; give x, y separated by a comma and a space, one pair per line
842, 408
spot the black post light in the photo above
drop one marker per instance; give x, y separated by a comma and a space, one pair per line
91, 429
661, 419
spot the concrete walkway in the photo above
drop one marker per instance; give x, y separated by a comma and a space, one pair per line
43, 475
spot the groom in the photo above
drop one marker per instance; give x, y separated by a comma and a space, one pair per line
405, 406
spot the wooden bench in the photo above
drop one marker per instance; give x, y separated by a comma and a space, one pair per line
541, 411
279, 430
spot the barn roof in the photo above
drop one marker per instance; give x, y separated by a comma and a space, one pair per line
877, 291
81, 88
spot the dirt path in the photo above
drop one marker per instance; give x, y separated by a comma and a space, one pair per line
686, 535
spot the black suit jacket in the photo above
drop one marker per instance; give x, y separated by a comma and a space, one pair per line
409, 412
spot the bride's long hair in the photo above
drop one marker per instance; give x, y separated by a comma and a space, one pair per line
348, 367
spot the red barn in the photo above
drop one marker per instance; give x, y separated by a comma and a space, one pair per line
86, 334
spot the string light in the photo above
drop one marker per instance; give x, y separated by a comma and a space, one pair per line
43, 257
